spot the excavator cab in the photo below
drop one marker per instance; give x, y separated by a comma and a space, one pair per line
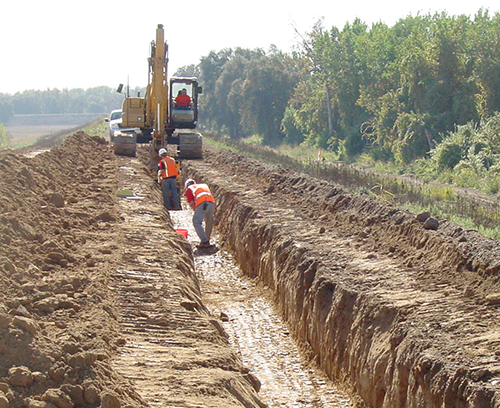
184, 93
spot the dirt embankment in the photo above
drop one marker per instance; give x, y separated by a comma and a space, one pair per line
58, 327
86, 280
407, 316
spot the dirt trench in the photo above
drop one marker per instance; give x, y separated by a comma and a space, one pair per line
174, 352
257, 333
92, 285
406, 316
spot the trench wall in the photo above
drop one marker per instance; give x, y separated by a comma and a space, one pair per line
358, 340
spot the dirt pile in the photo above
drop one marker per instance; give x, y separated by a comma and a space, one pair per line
406, 315
72, 301
94, 312
58, 328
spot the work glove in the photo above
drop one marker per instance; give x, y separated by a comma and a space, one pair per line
159, 177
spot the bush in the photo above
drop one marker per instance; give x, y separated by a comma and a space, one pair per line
465, 176
492, 185
381, 153
448, 155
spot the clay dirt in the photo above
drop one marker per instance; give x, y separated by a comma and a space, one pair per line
102, 303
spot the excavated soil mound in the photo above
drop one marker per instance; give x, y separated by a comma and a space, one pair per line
58, 326
88, 279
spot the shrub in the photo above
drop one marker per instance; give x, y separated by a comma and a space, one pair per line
448, 155
465, 175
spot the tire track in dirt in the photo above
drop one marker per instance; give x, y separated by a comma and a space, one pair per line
172, 351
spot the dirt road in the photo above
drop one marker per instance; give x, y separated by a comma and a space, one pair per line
103, 304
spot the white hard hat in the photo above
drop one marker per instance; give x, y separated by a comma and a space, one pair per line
188, 182
162, 151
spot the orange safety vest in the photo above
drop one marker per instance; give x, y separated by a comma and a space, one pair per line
201, 194
170, 168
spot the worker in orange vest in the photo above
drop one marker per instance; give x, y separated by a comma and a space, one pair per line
201, 200
167, 178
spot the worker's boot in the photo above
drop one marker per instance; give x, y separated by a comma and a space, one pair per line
204, 244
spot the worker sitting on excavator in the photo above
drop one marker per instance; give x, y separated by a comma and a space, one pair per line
183, 100
167, 178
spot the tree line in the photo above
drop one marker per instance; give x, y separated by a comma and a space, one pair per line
393, 91
101, 99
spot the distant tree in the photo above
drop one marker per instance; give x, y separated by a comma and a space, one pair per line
221, 75
267, 87
188, 71
483, 39
6, 108
330, 88
99, 99
292, 134
229, 98
211, 68
4, 137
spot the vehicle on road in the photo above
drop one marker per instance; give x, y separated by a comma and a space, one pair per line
114, 124
114, 120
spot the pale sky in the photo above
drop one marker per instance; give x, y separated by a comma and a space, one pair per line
65, 44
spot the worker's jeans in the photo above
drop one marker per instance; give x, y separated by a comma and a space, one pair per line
169, 185
204, 211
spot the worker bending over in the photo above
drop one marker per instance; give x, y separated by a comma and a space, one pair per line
201, 200
167, 178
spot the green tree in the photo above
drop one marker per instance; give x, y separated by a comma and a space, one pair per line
484, 58
307, 110
6, 108
93, 100
228, 96
211, 68
188, 71
335, 79
267, 87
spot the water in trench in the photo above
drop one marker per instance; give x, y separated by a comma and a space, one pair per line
258, 333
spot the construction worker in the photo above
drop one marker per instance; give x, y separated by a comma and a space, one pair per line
167, 178
201, 200
183, 100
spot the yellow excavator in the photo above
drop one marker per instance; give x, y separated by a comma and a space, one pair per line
162, 120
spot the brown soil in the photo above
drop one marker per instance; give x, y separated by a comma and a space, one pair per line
92, 283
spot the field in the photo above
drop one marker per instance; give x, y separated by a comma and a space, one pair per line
26, 129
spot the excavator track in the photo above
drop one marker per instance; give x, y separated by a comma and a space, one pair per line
190, 146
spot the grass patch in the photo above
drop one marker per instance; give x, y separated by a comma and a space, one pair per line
469, 210
97, 128
24, 143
